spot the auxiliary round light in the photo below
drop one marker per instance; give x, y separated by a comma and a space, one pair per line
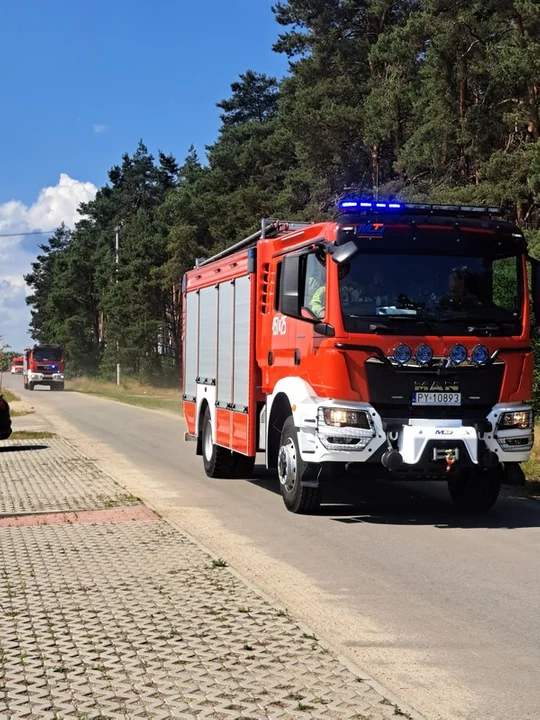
402, 354
480, 355
424, 355
458, 354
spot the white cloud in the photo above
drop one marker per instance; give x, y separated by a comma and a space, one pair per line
99, 128
53, 206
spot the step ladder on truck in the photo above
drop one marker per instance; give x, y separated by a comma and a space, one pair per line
394, 341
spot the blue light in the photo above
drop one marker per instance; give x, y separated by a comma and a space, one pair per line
458, 354
352, 203
402, 354
480, 355
424, 355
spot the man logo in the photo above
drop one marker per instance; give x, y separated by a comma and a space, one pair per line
371, 229
444, 432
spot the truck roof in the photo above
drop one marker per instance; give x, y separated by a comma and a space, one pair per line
353, 210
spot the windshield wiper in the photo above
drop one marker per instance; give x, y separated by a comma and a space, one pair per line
416, 319
490, 327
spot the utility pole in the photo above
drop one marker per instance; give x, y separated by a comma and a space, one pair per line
117, 245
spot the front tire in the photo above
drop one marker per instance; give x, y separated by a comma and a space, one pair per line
291, 470
475, 490
31, 386
218, 461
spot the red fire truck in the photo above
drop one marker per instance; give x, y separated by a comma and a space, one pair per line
394, 342
44, 365
17, 365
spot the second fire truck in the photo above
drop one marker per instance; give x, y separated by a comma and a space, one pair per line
17, 365
395, 341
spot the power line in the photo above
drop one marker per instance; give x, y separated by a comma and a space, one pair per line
30, 232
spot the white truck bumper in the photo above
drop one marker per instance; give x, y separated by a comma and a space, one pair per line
419, 442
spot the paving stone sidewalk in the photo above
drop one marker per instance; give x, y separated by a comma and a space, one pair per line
106, 617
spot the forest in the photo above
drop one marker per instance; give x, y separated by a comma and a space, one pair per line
421, 100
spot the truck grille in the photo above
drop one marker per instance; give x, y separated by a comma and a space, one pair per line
46, 369
391, 389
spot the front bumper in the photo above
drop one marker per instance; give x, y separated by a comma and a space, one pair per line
423, 444
45, 377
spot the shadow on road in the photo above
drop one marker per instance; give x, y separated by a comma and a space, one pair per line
356, 501
22, 448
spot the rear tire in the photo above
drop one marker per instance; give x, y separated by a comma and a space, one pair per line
475, 490
218, 461
291, 470
243, 465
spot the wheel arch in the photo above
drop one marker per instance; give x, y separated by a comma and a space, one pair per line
202, 410
280, 411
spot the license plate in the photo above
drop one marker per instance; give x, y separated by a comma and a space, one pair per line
436, 398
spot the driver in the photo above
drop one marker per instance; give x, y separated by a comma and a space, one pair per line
349, 293
458, 292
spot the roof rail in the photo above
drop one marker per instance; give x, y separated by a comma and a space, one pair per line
270, 227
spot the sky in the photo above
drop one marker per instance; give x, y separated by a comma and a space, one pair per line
83, 82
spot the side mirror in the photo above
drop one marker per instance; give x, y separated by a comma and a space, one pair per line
535, 282
291, 282
346, 253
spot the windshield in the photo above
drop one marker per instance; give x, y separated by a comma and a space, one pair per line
475, 287
17, 362
48, 354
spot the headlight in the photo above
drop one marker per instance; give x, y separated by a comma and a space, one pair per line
480, 355
458, 354
424, 355
519, 420
402, 354
340, 417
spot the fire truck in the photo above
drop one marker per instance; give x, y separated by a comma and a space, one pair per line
44, 365
391, 342
17, 365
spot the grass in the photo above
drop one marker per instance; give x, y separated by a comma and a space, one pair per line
131, 393
9, 396
219, 563
532, 468
31, 435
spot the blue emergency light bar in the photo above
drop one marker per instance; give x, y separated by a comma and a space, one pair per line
353, 205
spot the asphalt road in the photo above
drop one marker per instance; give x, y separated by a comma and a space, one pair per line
440, 607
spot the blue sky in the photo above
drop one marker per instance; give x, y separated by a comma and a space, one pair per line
140, 69
83, 82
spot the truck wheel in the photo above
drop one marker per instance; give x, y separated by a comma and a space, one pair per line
475, 490
291, 470
31, 386
218, 461
57, 386
243, 465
